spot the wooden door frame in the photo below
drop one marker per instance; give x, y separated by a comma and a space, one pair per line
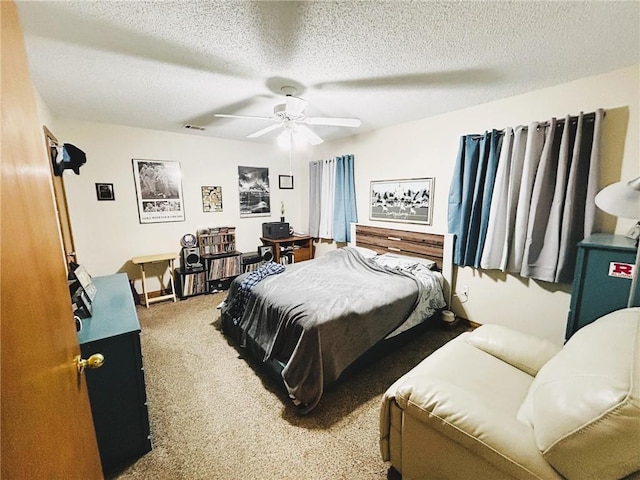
60, 194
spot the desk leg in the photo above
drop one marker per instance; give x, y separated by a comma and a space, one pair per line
144, 286
173, 286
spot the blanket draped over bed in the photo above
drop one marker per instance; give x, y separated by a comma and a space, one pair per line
319, 316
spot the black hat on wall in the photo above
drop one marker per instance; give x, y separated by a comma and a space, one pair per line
76, 159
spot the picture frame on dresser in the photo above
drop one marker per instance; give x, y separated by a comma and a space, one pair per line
82, 276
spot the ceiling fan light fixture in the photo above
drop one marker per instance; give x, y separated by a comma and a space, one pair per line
285, 139
290, 116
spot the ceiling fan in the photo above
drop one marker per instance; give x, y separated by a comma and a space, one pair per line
291, 118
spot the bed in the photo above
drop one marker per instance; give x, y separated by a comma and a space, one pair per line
310, 321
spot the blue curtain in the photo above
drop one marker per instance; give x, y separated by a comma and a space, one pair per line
554, 183
470, 195
344, 208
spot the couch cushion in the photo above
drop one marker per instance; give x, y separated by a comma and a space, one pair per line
525, 352
585, 402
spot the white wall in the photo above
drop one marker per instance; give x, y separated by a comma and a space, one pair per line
428, 148
108, 234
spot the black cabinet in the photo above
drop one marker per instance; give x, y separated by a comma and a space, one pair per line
117, 389
602, 280
221, 270
190, 282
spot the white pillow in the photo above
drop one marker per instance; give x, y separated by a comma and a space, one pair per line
403, 262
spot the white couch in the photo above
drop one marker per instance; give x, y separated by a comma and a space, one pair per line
496, 404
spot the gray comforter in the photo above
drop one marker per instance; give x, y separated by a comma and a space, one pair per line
319, 316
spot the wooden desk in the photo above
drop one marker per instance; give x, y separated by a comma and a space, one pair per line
158, 258
302, 247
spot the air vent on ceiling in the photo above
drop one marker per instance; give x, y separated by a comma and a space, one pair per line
194, 127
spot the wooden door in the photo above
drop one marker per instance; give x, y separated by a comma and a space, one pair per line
46, 427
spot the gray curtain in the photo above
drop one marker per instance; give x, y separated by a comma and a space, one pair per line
579, 212
332, 198
315, 192
526, 214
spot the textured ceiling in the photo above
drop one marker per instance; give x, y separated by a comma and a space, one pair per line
163, 64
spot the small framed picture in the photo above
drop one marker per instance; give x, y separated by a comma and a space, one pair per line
211, 199
104, 191
286, 182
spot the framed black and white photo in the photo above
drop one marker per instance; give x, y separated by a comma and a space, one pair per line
407, 201
255, 194
104, 191
211, 199
158, 191
81, 275
285, 182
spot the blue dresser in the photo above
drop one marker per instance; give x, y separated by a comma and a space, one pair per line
600, 286
117, 389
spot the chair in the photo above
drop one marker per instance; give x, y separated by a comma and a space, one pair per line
499, 404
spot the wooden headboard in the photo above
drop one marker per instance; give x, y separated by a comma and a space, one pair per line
432, 246
416, 244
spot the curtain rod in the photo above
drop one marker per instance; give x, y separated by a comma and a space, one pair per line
589, 117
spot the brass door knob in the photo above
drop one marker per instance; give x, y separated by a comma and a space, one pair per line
94, 361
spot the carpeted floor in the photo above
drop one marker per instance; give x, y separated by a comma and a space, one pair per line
215, 415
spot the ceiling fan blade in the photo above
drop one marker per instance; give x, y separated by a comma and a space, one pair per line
308, 135
418, 80
295, 105
224, 115
268, 129
336, 122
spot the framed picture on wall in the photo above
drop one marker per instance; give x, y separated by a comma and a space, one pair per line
211, 199
285, 182
255, 194
407, 201
104, 191
158, 191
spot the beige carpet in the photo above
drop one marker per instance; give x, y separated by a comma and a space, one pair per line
214, 415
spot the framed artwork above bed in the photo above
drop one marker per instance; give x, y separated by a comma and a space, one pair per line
406, 201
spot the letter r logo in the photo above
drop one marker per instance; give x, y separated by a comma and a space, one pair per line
618, 269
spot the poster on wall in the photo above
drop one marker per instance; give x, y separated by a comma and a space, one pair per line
158, 191
211, 199
255, 196
407, 201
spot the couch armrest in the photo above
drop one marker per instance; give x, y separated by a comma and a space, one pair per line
522, 351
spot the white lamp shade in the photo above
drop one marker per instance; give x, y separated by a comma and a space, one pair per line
621, 199
284, 139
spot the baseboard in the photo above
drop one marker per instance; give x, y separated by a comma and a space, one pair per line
472, 325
